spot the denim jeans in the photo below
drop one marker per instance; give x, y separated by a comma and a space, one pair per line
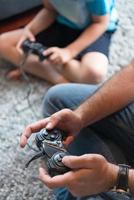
112, 137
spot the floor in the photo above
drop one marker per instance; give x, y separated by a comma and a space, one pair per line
17, 109
18, 21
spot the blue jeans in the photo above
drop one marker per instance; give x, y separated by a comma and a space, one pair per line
113, 137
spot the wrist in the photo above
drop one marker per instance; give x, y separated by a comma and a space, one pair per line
80, 118
30, 29
85, 118
131, 181
112, 175
73, 51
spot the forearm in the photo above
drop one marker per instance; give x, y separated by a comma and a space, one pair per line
111, 97
91, 34
131, 181
41, 21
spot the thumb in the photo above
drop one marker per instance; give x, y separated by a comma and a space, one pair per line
31, 37
53, 121
19, 44
78, 162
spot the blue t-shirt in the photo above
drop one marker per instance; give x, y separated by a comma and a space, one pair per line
77, 13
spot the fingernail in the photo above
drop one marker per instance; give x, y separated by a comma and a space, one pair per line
49, 125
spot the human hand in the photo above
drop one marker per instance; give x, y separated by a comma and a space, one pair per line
65, 120
26, 34
58, 56
91, 174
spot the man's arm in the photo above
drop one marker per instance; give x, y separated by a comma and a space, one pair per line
111, 97
43, 19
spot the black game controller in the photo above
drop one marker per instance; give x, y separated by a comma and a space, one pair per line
35, 48
51, 149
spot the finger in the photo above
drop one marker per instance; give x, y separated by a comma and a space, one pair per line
53, 121
56, 181
68, 140
23, 38
31, 37
84, 161
49, 51
32, 128
54, 56
21, 41
56, 62
18, 47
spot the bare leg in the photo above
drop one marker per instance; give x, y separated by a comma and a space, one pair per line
9, 52
33, 67
43, 70
92, 69
8, 42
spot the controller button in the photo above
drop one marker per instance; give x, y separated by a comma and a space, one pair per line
53, 136
59, 158
45, 132
55, 131
58, 142
61, 155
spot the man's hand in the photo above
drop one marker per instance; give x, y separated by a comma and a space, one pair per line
58, 56
65, 120
91, 174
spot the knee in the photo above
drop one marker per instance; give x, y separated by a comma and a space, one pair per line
95, 68
3, 39
52, 100
96, 76
4, 42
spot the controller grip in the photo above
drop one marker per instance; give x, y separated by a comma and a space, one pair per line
34, 48
55, 165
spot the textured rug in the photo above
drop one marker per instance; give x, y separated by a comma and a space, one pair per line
18, 108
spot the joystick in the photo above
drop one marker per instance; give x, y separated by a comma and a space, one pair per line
35, 48
51, 149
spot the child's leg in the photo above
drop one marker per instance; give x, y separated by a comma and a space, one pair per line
93, 63
8, 42
43, 70
8, 51
95, 67
91, 69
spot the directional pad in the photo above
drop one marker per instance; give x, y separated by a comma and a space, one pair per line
58, 159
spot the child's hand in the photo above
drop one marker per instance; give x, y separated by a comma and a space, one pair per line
58, 56
26, 34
